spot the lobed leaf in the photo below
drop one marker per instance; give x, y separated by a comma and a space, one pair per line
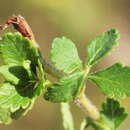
13, 99
66, 89
24, 77
4, 71
113, 81
112, 113
13, 73
6, 116
101, 45
64, 55
111, 116
17, 49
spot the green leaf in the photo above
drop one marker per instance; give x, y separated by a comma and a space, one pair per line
101, 45
111, 116
13, 73
24, 77
67, 118
67, 88
16, 49
112, 113
6, 116
113, 81
4, 71
64, 55
14, 100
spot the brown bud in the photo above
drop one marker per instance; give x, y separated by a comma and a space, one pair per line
20, 25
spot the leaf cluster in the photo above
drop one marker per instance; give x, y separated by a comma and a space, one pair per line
22, 83
25, 78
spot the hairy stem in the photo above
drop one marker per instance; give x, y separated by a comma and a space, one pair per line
86, 105
50, 69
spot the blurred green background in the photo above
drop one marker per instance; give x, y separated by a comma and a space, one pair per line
79, 20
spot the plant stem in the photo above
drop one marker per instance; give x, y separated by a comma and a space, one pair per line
67, 117
50, 69
86, 105
83, 102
